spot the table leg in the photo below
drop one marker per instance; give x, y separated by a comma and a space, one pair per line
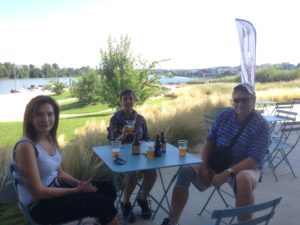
159, 204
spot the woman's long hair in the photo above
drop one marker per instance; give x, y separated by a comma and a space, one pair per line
31, 110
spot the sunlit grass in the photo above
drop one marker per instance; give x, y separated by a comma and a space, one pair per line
10, 132
65, 95
76, 107
78, 158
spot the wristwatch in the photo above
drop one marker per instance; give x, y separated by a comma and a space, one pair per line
230, 171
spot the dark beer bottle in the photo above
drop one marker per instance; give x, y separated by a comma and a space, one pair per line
157, 147
136, 145
163, 142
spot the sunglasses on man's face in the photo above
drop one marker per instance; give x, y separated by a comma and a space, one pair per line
243, 100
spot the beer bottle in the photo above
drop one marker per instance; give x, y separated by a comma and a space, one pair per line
163, 142
136, 145
157, 147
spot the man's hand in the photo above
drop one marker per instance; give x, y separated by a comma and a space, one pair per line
220, 178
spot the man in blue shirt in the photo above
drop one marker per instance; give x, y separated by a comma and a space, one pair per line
247, 154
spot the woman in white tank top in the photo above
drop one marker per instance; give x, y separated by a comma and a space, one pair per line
38, 168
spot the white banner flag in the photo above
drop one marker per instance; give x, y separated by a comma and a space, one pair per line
247, 35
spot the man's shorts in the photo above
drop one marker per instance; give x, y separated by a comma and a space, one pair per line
191, 174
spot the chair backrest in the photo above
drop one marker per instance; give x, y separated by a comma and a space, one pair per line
208, 119
287, 129
7, 191
284, 105
266, 212
260, 111
22, 207
286, 115
284, 137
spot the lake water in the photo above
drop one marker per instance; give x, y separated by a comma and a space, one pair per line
7, 85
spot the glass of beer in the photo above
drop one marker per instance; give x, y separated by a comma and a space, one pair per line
130, 126
182, 146
150, 152
116, 146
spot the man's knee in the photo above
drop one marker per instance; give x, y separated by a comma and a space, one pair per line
185, 176
150, 174
244, 182
132, 177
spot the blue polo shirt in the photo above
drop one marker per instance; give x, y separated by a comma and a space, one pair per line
253, 142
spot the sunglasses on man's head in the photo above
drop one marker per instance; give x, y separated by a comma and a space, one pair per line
243, 100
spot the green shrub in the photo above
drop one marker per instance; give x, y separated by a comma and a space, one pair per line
57, 86
275, 75
88, 88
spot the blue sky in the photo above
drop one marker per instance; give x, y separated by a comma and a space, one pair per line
193, 33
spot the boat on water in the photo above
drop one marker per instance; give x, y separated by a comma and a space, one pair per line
14, 90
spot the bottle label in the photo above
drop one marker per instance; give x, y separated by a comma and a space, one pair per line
157, 151
136, 150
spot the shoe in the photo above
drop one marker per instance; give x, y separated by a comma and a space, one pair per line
146, 211
166, 221
126, 208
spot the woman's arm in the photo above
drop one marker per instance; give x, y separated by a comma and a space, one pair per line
28, 167
67, 177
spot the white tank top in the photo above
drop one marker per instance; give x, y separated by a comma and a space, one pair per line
47, 166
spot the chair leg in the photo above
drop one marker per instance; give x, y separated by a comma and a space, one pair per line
222, 197
286, 160
219, 191
207, 201
271, 165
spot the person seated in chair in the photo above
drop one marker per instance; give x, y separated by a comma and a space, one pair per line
120, 130
50, 194
252, 137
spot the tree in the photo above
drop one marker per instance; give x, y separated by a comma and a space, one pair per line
120, 70
57, 86
47, 70
88, 88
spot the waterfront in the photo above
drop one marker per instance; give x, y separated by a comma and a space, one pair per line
7, 85
19, 84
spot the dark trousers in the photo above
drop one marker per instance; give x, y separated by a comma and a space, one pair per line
75, 206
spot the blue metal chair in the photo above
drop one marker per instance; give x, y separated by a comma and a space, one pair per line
287, 106
282, 146
265, 210
286, 116
22, 207
208, 119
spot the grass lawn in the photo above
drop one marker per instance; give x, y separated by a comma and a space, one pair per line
64, 95
76, 107
10, 132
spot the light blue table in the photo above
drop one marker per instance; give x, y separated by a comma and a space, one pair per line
139, 163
